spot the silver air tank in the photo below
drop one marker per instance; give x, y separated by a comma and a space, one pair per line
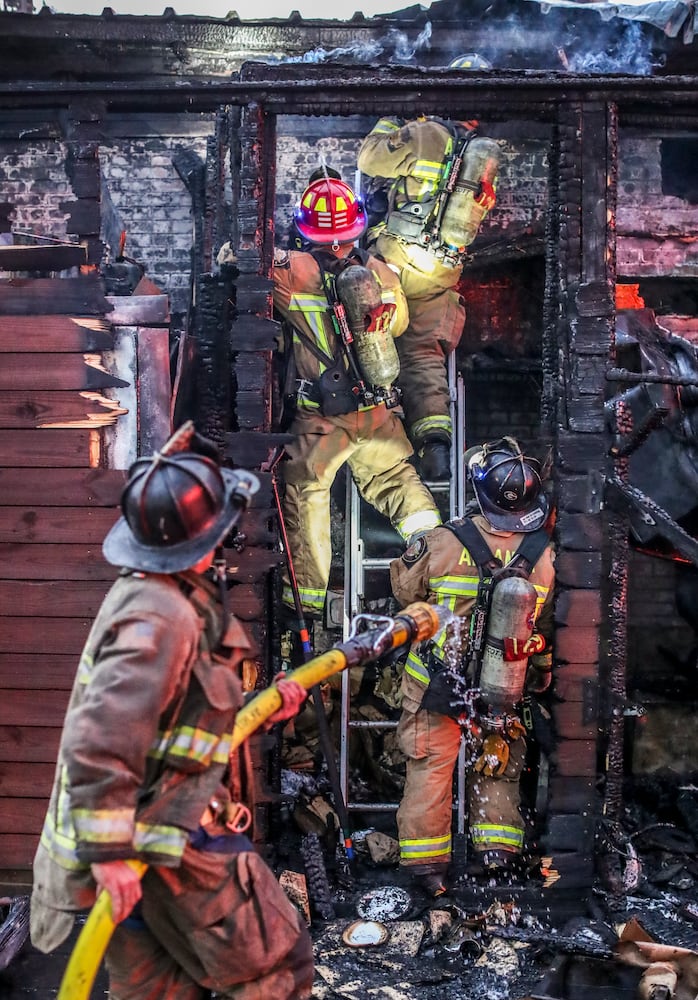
462, 215
509, 626
360, 294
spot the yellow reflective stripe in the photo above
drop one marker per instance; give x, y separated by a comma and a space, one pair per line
314, 309
85, 667
61, 847
491, 833
429, 847
454, 586
420, 428
191, 743
167, 840
99, 826
415, 668
428, 170
422, 520
384, 125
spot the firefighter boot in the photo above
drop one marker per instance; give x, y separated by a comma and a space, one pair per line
432, 881
435, 460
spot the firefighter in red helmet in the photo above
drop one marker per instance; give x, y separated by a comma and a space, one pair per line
493, 568
341, 309
433, 183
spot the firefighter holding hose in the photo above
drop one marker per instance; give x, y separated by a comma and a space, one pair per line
494, 569
341, 310
145, 772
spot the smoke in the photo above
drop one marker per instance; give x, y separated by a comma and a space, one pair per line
628, 53
394, 47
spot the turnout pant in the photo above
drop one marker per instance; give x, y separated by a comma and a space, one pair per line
374, 445
220, 922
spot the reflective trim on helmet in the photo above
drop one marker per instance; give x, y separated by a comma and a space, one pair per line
385, 125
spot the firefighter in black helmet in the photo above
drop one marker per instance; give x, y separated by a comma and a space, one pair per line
506, 526
144, 768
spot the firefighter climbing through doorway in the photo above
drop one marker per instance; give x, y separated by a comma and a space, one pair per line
435, 182
341, 309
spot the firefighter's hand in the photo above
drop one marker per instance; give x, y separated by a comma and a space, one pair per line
540, 672
292, 694
121, 882
494, 758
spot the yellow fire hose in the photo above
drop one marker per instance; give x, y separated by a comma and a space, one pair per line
417, 622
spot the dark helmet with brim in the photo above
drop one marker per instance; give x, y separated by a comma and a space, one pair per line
176, 509
507, 486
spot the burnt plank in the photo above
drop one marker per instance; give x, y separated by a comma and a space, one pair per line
252, 449
580, 532
139, 310
259, 528
54, 333
567, 870
38, 296
574, 758
31, 635
62, 487
42, 525
254, 333
252, 410
252, 564
29, 743
586, 414
579, 683
253, 370
247, 602
578, 569
41, 258
572, 795
578, 607
45, 448
154, 400
36, 409
56, 372
575, 644
581, 452
573, 721
13, 822
568, 833
580, 494
26, 782
55, 562
59, 598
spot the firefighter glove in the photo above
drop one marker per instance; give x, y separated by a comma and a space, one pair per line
493, 760
540, 672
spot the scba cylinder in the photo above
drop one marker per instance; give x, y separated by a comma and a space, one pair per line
376, 354
463, 215
510, 625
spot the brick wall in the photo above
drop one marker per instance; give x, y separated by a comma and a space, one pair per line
34, 187
151, 203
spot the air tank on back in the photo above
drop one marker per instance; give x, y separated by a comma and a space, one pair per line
462, 215
360, 294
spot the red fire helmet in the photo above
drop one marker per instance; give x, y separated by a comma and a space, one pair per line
330, 212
